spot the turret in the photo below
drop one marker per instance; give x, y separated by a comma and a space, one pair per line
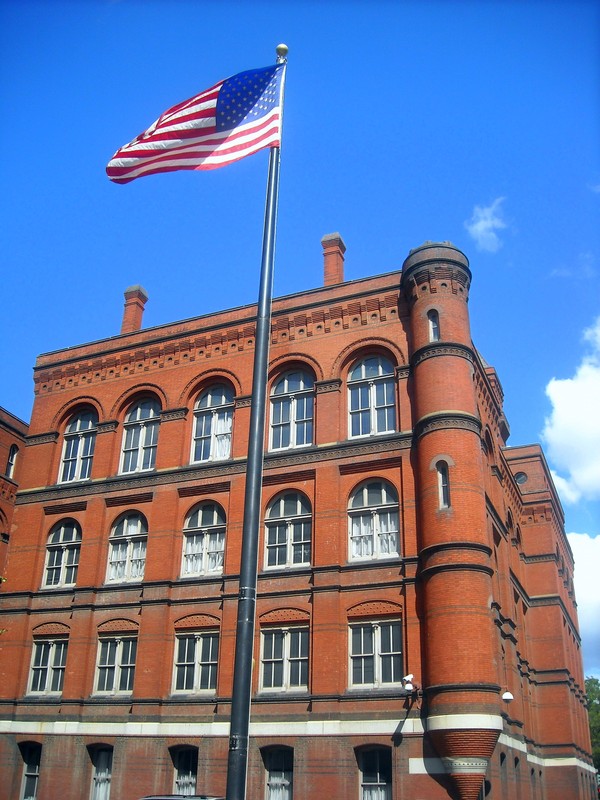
460, 675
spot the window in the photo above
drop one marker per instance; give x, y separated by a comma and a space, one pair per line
78, 449
279, 764
48, 666
101, 772
141, 436
443, 480
31, 754
12, 461
284, 659
116, 664
371, 397
203, 540
376, 654
288, 531
292, 401
373, 522
433, 319
196, 659
62, 554
375, 765
213, 418
127, 555
185, 761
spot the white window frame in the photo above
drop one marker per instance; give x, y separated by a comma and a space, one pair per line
443, 481
78, 447
185, 762
62, 555
288, 536
127, 549
291, 659
48, 663
213, 423
433, 323
115, 666
196, 656
11, 462
102, 758
373, 528
371, 398
204, 540
292, 411
140, 437
374, 659
380, 788
279, 779
31, 753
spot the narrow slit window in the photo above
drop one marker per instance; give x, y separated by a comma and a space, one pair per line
434, 325
443, 479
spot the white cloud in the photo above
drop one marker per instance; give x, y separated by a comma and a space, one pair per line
572, 431
586, 551
484, 223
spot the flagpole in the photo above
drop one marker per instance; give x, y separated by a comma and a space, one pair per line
237, 762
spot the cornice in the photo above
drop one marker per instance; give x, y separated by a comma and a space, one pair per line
434, 349
448, 419
41, 438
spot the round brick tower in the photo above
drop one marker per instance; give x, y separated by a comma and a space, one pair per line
459, 678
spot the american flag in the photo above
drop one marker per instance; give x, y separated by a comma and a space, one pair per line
233, 119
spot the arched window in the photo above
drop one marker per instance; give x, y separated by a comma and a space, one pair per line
279, 767
213, 418
11, 462
127, 554
292, 403
31, 753
78, 448
375, 765
433, 320
372, 397
203, 540
62, 554
141, 436
288, 531
443, 479
101, 757
185, 762
373, 521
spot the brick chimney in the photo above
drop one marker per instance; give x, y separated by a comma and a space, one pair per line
333, 258
135, 300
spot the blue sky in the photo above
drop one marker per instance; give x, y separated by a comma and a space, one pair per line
476, 122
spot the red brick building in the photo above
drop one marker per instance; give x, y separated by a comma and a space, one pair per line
12, 441
401, 538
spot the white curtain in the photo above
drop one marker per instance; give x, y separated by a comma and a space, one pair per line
222, 434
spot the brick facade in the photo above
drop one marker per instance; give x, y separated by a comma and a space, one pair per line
402, 536
12, 442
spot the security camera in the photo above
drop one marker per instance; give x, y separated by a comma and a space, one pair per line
408, 678
507, 697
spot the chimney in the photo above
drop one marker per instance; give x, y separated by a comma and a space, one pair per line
333, 258
135, 300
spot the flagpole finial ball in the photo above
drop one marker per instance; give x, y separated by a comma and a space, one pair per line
281, 50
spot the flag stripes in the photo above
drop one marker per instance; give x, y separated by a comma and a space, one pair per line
233, 119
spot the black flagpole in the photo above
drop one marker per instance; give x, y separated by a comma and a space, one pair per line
237, 761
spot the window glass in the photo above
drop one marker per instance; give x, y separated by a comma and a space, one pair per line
185, 760
12, 461
292, 409
433, 319
48, 666
78, 448
376, 654
116, 664
204, 540
279, 762
376, 774
373, 522
284, 664
127, 549
196, 661
372, 404
213, 420
32, 756
443, 478
140, 436
288, 531
102, 773
62, 554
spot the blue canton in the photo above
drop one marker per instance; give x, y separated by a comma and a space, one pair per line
248, 96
